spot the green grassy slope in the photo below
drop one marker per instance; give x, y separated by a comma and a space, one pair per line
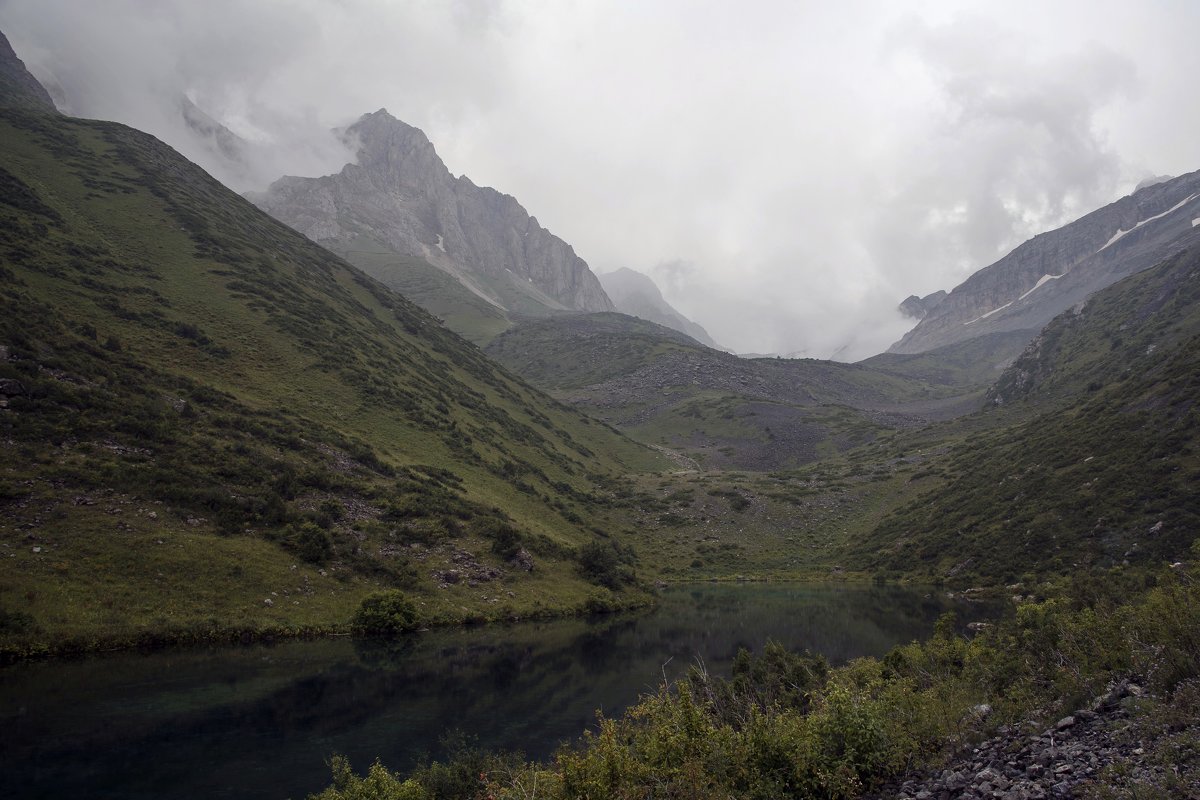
975, 362
1092, 459
1109, 339
210, 422
577, 350
439, 293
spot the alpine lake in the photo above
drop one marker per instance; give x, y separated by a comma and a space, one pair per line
261, 721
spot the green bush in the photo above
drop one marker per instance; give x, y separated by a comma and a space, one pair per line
309, 542
379, 784
600, 563
385, 613
465, 769
506, 540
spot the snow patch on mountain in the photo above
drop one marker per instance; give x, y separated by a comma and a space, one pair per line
988, 314
1042, 281
1121, 233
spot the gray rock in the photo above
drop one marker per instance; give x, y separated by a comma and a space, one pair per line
399, 193
523, 560
919, 307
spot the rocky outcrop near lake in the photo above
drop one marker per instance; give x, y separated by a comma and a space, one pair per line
1055, 271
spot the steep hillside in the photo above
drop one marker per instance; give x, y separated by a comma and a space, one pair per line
974, 362
214, 424
399, 198
723, 411
19, 89
1107, 338
1092, 460
637, 295
1055, 271
463, 311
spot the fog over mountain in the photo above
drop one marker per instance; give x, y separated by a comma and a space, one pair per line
786, 172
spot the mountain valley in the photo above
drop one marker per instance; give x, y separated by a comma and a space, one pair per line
387, 399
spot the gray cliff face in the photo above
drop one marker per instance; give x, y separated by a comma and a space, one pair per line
637, 295
1055, 271
401, 194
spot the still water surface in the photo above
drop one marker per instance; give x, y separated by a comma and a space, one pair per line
261, 721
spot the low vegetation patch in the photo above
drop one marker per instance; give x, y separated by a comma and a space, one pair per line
788, 725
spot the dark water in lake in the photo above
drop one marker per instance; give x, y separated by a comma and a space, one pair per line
261, 721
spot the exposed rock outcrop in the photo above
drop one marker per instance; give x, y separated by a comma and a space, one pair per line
919, 307
1095, 746
400, 195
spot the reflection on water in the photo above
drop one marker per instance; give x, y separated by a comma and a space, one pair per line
261, 721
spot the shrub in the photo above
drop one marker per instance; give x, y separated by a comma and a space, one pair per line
385, 613
462, 774
600, 563
309, 542
506, 540
379, 784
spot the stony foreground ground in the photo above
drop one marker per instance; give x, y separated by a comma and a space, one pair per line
1122, 746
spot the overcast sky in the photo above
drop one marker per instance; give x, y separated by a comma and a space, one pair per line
786, 171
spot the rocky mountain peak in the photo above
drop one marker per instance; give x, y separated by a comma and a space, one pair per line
400, 195
394, 151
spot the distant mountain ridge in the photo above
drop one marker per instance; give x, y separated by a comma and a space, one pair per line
637, 295
725, 411
400, 197
1054, 271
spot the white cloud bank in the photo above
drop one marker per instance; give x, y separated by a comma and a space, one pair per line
787, 171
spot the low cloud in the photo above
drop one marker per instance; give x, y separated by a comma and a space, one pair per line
1011, 148
788, 172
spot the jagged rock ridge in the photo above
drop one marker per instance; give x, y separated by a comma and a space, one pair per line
1055, 271
400, 196
637, 295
